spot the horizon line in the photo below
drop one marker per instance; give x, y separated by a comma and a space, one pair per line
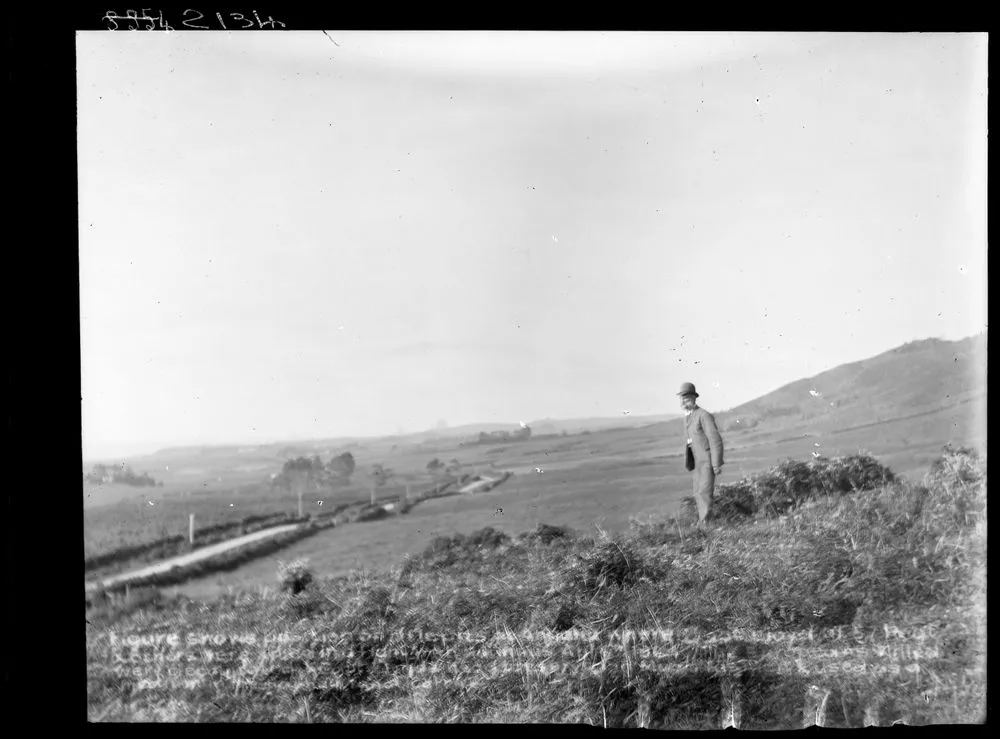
392, 435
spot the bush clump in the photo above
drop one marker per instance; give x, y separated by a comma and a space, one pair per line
850, 474
457, 550
294, 576
613, 564
786, 486
920, 544
545, 534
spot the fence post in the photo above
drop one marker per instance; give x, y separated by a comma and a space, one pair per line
407, 492
191, 528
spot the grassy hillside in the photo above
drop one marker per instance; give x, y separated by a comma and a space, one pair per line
860, 601
915, 377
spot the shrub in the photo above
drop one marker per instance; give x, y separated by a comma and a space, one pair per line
959, 464
613, 564
544, 534
734, 502
957, 487
787, 485
294, 576
851, 473
374, 513
487, 537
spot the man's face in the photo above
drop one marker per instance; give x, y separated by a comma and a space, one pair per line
687, 402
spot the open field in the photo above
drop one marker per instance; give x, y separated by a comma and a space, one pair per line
579, 488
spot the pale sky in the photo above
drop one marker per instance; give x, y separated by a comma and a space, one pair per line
284, 238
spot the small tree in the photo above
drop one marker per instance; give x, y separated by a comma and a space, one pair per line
381, 475
299, 474
454, 469
341, 467
436, 468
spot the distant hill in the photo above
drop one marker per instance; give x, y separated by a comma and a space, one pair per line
925, 377
538, 427
470, 430
916, 377
576, 425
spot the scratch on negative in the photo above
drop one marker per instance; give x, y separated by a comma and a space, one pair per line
331, 39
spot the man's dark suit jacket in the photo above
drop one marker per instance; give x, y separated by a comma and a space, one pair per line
706, 441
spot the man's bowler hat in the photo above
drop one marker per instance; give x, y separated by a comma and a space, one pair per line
688, 389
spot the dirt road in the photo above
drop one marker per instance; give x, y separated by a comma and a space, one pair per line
195, 556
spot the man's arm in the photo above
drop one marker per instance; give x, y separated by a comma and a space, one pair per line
714, 439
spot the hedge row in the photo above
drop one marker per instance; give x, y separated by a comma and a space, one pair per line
225, 562
125, 554
174, 545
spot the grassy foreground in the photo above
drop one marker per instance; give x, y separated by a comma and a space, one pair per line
830, 593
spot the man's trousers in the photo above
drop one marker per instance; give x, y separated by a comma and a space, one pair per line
704, 489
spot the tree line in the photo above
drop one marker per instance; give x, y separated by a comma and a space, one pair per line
122, 474
339, 470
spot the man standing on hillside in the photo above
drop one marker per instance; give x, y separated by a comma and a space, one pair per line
703, 451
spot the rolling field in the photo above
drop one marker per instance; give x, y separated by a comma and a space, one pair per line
586, 480
581, 488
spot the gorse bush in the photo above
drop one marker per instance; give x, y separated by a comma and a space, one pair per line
613, 564
459, 549
786, 486
958, 465
955, 482
294, 576
545, 534
921, 543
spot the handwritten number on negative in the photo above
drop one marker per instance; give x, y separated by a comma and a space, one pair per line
187, 22
191, 20
241, 17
